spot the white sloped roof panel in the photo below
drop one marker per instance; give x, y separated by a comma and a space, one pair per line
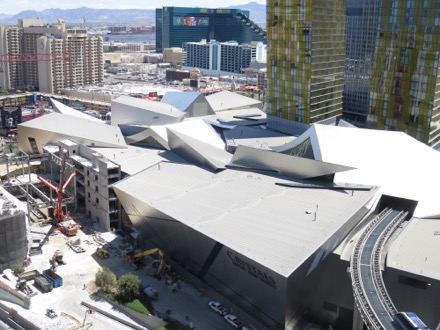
280, 234
297, 167
128, 110
226, 100
401, 165
415, 249
135, 159
66, 110
56, 127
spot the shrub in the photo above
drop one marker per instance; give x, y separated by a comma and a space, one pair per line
105, 280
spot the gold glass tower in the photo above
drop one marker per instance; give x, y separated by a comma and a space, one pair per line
306, 53
405, 88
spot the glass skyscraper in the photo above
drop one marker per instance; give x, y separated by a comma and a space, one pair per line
305, 66
405, 87
176, 25
362, 18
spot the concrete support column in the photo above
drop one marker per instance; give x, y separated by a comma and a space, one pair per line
358, 323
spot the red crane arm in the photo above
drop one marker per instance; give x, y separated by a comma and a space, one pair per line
68, 181
47, 183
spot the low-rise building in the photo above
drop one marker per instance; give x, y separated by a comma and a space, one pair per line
218, 56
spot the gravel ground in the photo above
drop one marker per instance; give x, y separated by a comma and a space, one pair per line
186, 304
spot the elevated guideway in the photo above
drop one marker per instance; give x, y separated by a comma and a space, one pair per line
371, 297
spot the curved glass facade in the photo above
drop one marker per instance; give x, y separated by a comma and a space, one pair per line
180, 24
306, 53
405, 89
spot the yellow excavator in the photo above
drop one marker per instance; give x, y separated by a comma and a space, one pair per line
134, 257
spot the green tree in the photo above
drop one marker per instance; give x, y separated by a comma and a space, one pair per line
17, 268
105, 280
128, 287
11, 146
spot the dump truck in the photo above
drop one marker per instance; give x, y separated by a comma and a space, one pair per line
53, 277
43, 283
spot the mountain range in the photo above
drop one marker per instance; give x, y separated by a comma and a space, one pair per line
114, 16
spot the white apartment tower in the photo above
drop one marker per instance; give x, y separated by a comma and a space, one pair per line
49, 57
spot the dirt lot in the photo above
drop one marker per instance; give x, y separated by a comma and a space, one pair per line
186, 305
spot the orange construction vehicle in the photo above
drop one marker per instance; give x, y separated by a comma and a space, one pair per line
62, 220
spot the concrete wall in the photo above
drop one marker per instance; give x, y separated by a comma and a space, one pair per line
247, 284
89, 95
13, 239
414, 293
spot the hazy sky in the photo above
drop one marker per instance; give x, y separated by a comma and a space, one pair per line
16, 6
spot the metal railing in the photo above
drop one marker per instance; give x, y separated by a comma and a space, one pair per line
361, 297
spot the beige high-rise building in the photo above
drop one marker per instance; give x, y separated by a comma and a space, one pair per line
49, 57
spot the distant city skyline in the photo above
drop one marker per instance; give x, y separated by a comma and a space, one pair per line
18, 6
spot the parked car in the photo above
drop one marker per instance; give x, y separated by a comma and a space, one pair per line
234, 321
150, 292
218, 308
249, 327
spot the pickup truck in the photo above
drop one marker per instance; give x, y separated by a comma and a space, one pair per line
53, 277
218, 308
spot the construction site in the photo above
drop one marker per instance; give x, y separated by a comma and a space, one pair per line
65, 250
215, 216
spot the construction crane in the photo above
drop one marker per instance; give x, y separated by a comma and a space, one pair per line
134, 257
63, 221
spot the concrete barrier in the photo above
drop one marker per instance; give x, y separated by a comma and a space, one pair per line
118, 319
11, 317
8, 292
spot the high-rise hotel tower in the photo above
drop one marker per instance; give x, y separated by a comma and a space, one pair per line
305, 65
361, 21
405, 88
49, 57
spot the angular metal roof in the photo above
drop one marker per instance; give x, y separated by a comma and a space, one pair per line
53, 127
66, 110
198, 152
254, 137
415, 249
128, 110
180, 100
398, 163
280, 233
226, 100
134, 159
193, 103
296, 167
